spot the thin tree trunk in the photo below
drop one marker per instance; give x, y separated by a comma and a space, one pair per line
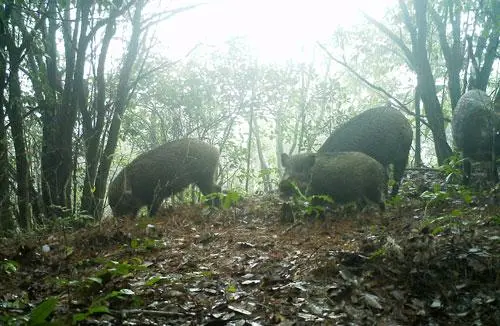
418, 60
454, 54
14, 110
418, 130
298, 118
6, 217
264, 168
427, 85
93, 133
55, 161
304, 105
249, 149
298, 139
63, 103
496, 102
121, 101
479, 79
279, 141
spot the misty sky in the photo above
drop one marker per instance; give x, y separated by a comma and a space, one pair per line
275, 29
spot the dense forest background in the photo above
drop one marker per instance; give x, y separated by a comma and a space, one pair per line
84, 89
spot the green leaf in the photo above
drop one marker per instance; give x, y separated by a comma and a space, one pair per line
9, 266
39, 315
79, 317
98, 309
231, 288
68, 251
95, 279
113, 294
467, 198
154, 280
437, 230
230, 198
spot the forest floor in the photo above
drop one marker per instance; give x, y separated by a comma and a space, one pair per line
426, 260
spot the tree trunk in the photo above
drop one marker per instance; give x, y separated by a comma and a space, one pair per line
264, 168
56, 156
92, 132
427, 85
121, 101
304, 105
300, 123
14, 112
425, 79
279, 140
249, 150
454, 54
62, 101
6, 217
496, 101
418, 60
418, 130
486, 46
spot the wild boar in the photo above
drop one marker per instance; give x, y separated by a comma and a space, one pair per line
475, 127
344, 176
160, 173
383, 133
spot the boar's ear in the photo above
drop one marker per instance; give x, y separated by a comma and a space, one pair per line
285, 160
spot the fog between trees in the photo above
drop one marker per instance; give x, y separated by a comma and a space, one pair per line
75, 110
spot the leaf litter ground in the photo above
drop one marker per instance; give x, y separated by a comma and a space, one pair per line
194, 265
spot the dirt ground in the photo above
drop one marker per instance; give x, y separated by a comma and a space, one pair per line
421, 262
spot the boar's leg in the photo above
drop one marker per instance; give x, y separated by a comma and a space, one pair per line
399, 169
492, 171
161, 191
153, 208
493, 163
131, 212
159, 195
364, 202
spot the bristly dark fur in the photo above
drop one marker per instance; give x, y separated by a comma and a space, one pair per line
383, 133
475, 125
161, 172
344, 176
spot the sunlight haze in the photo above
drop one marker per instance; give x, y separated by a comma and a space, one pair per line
276, 30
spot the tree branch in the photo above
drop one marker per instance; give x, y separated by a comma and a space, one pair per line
155, 19
397, 40
441, 28
400, 105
